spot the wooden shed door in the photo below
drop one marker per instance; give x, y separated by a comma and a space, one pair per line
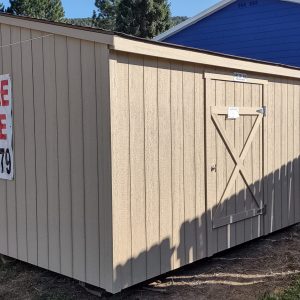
234, 118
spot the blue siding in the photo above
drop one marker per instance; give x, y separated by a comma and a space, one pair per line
261, 29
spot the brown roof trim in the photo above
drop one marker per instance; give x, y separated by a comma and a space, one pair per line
61, 24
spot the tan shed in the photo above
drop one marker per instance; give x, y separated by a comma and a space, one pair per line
133, 158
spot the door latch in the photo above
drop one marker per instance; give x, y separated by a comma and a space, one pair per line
262, 210
263, 111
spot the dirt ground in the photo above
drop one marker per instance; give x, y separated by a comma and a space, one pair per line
245, 272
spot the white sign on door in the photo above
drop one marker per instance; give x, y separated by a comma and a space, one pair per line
6, 130
233, 113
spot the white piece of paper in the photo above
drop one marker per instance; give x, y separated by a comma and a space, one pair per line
241, 77
233, 113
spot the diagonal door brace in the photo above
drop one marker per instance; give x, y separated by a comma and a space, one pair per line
238, 159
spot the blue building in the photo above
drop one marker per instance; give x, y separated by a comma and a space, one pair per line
260, 29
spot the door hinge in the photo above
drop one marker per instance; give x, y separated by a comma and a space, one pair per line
263, 111
262, 211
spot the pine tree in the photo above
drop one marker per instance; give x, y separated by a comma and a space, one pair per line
86, 22
51, 10
106, 14
16, 7
2, 8
55, 10
143, 18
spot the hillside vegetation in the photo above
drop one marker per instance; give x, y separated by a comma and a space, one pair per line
88, 22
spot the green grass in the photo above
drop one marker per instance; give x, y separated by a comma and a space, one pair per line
291, 293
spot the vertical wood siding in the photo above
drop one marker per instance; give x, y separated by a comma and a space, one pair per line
57, 212
158, 187
10, 185
158, 164
282, 162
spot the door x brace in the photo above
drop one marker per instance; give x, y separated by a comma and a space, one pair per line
239, 165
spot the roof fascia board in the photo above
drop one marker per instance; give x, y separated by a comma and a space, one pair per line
193, 20
59, 30
184, 55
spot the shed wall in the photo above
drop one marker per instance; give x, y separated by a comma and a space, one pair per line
158, 164
56, 213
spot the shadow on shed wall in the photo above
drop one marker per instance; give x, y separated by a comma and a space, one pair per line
283, 209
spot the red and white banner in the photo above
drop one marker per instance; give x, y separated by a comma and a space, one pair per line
6, 129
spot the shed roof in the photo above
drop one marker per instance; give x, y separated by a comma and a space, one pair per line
126, 43
202, 15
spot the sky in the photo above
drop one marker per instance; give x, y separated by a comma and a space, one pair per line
84, 8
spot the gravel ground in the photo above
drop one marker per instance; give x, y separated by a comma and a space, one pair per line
249, 271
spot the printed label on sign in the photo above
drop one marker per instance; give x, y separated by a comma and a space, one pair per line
6, 130
233, 113
240, 77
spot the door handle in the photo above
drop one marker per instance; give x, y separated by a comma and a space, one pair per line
213, 168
